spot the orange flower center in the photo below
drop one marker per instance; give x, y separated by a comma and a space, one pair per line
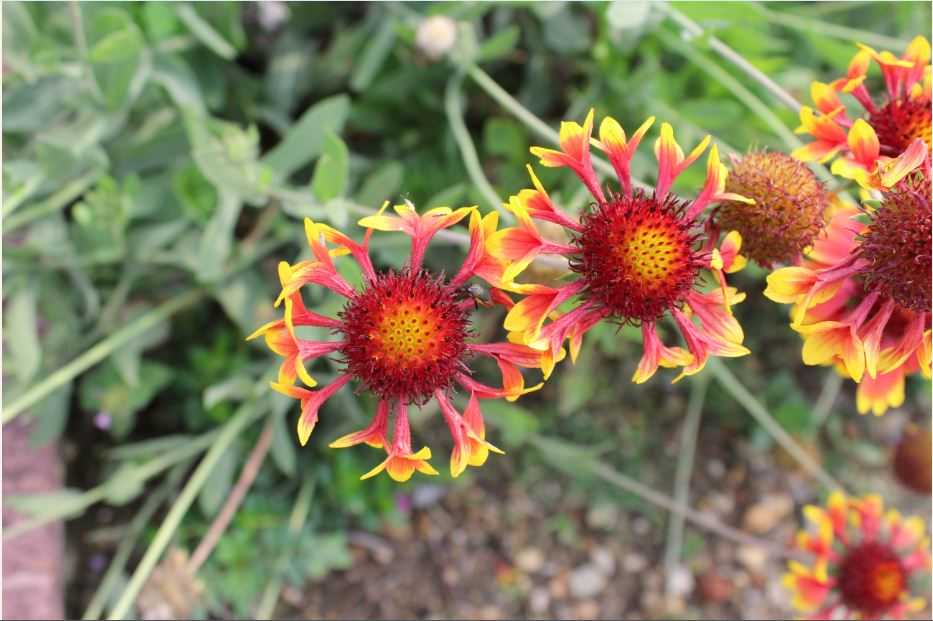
636, 256
901, 122
408, 334
871, 578
649, 252
405, 336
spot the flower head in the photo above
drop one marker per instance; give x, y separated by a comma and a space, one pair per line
403, 335
637, 255
863, 560
861, 294
894, 133
788, 210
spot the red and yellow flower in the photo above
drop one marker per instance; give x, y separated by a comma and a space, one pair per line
876, 150
638, 256
404, 336
862, 294
863, 560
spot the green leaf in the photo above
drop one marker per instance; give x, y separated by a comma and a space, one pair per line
381, 185
51, 416
232, 389
197, 196
104, 390
283, 447
515, 422
218, 484
22, 335
204, 32
64, 503
227, 156
505, 137
124, 485
374, 56
332, 171
116, 53
326, 552
500, 44
31, 106
447, 197
179, 81
217, 241
306, 138
160, 20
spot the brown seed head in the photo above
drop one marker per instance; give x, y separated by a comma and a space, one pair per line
788, 209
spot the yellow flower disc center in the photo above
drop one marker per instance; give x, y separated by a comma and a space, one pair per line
648, 252
407, 334
888, 582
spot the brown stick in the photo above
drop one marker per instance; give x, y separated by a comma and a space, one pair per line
247, 476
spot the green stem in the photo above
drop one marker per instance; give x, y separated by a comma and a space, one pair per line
128, 542
53, 203
96, 494
688, 443
732, 56
719, 74
741, 394
247, 413
527, 117
98, 352
550, 449
824, 403
819, 27
453, 106
296, 523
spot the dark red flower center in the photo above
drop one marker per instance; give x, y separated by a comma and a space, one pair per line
900, 122
636, 256
897, 245
871, 578
405, 336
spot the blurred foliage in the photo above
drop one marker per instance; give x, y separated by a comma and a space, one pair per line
151, 149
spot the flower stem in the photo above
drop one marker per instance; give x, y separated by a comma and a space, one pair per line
128, 542
246, 414
732, 56
296, 523
820, 27
688, 443
453, 106
733, 85
741, 394
703, 520
53, 203
247, 475
99, 352
527, 117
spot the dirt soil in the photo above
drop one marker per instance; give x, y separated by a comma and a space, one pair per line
503, 548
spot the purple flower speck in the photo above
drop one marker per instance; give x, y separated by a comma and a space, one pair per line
102, 420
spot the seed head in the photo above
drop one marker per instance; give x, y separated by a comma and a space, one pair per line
788, 209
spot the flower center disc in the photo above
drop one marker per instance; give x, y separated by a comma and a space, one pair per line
405, 335
637, 256
897, 245
901, 122
871, 578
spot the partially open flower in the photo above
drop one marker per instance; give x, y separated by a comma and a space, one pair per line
864, 559
892, 138
788, 210
861, 294
403, 335
638, 255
